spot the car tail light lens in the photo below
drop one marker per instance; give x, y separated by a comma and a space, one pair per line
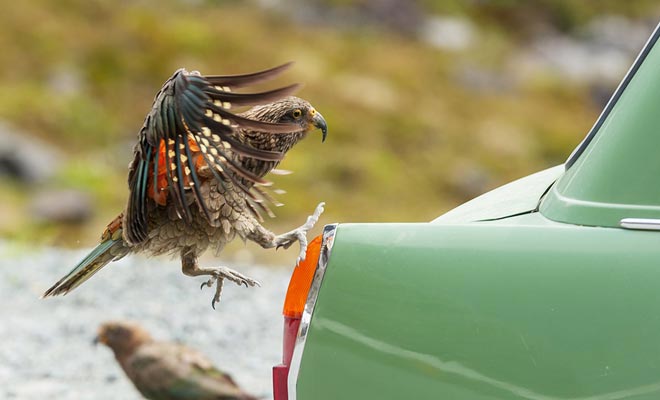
301, 280
298, 308
294, 304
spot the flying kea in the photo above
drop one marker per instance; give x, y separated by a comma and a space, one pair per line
197, 177
166, 371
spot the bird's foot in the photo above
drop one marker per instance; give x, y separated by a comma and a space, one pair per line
299, 234
218, 276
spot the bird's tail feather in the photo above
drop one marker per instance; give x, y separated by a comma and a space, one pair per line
106, 251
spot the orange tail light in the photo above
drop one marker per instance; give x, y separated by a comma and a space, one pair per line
294, 305
301, 280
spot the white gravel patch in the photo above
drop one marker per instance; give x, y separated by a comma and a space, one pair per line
47, 350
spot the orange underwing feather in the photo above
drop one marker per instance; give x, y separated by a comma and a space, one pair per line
160, 195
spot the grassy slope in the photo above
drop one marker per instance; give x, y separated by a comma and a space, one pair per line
405, 134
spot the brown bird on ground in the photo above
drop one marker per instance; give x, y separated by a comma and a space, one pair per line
166, 371
196, 179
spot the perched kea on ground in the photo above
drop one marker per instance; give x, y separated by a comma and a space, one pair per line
196, 179
166, 371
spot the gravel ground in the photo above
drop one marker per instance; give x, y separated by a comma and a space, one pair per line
47, 350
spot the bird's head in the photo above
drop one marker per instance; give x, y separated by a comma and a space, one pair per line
121, 336
291, 110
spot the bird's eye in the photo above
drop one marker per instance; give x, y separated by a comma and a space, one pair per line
296, 113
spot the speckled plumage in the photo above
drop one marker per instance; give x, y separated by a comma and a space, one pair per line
196, 185
166, 371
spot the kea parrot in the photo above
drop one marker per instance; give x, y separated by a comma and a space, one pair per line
197, 175
166, 371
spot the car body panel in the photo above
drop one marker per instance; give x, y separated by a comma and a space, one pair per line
521, 308
517, 197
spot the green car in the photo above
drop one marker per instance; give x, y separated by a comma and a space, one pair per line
547, 288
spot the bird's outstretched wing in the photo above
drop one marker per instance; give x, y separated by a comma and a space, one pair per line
191, 126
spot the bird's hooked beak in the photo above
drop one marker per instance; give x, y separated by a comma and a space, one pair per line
319, 122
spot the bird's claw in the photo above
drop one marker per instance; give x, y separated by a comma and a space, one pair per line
303, 250
218, 291
314, 218
218, 277
300, 234
285, 245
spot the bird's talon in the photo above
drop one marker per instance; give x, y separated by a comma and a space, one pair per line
216, 299
208, 283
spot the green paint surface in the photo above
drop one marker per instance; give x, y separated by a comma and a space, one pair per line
523, 308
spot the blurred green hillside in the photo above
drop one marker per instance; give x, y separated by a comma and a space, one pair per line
416, 126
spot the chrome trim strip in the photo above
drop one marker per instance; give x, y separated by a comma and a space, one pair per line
298, 348
647, 224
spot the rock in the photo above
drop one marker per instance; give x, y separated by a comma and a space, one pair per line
61, 206
573, 59
400, 16
615, 31
602, 52
448, 33
26, 158
403, 17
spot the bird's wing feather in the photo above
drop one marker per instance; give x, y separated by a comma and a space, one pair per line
191, 125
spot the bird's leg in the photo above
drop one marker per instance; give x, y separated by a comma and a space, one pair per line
267, 239
190, 267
